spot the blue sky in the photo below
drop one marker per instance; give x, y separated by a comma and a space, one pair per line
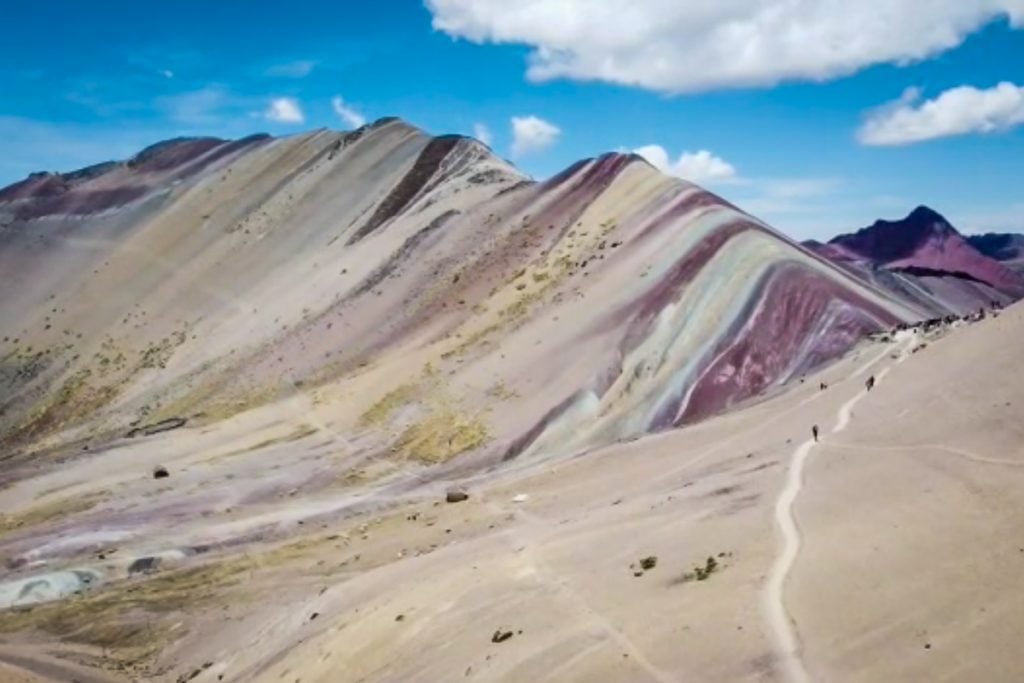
817, 131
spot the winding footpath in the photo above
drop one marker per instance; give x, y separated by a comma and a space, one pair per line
783, 629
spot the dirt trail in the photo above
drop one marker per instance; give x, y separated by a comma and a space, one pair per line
782, 628
958, 452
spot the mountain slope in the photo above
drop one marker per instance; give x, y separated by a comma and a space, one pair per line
218, 348
923, 259
209, 277
1007, 248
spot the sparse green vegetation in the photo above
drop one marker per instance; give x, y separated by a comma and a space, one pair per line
442, 435
127, 619
300, 432
701, 573
48, 512
501, 392
381, 411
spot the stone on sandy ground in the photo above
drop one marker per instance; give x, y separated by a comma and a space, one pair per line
500, 636
144, 565
456, 495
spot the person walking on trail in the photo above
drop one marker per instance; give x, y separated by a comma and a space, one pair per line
814, 431
870, 383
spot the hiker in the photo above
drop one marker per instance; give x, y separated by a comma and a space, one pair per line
824, 386
870, 383
814, 431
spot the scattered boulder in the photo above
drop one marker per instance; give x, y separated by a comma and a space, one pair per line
456, 496
709, 568
144, 565
520, 498
711, 565
649, 562
160, 472
500, 636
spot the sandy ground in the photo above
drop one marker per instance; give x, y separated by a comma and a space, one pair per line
888, 551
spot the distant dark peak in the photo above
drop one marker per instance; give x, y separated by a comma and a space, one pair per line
1002, 246
922, 220
812, 244
886, 241
992, 240
924, 214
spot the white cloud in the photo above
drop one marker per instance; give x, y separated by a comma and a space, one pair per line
957, 111
698, 167
531, 134
203, 107
167, 73
349, 114
297, 69
285, 110
695, 45
483, 134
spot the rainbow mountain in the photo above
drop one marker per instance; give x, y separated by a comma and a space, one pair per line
431, 301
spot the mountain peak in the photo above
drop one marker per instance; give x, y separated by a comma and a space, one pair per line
885, 240
925, 214
925, 239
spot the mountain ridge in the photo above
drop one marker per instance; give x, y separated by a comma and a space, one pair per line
361, 244
924, 251
1005, 247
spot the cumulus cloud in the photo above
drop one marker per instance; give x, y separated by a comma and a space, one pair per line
297, 69
285, 110
531, 134
483, 134
699, 167
957, 111
347, 113
674, 46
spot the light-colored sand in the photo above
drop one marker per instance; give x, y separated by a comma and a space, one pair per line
908, 516
781, 624
912, 522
